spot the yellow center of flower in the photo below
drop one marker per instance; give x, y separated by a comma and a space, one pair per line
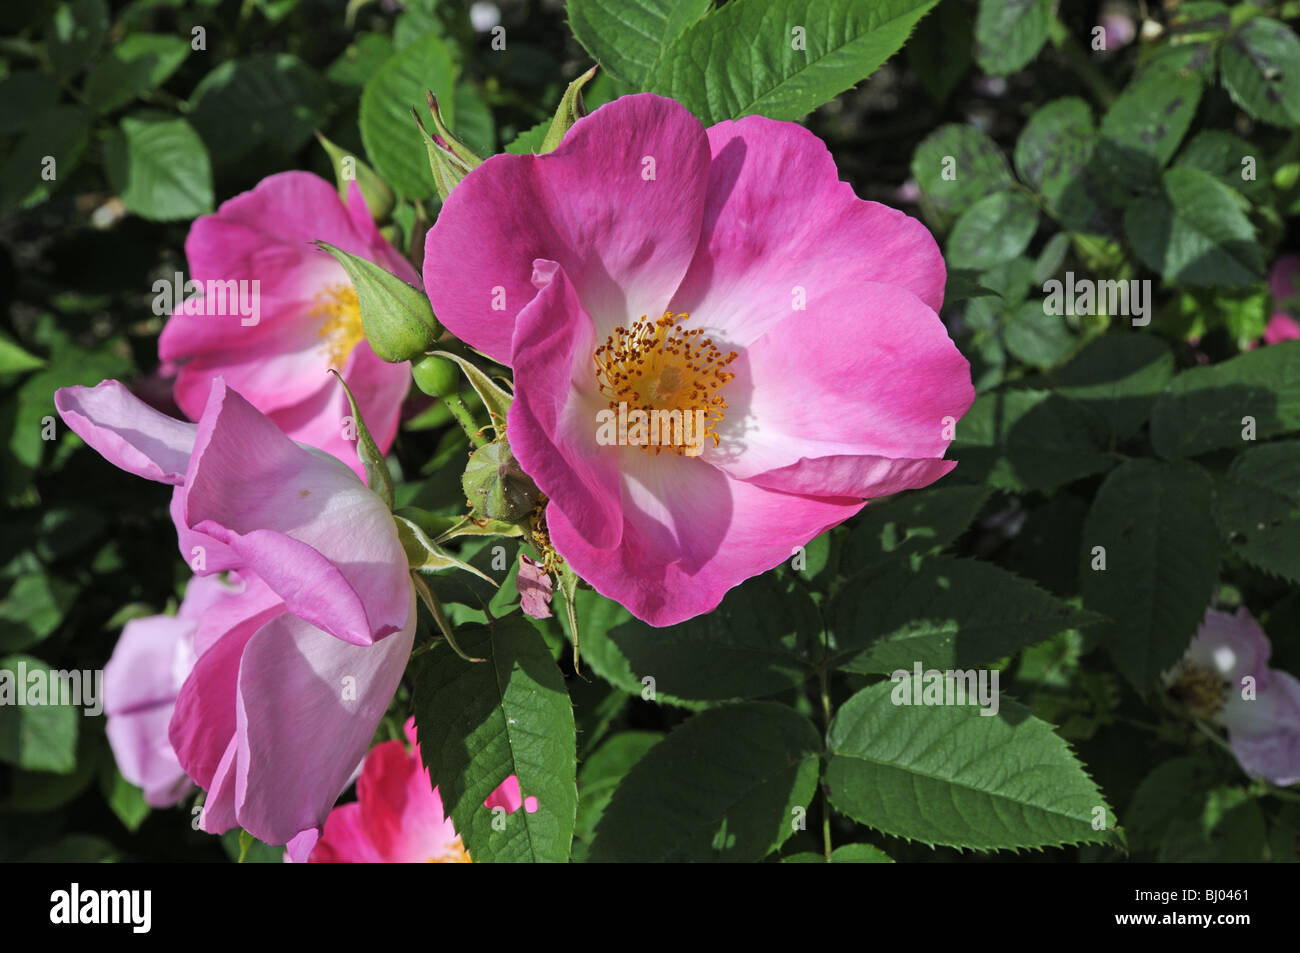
1201, 690
340, 317
659, 365
455, 854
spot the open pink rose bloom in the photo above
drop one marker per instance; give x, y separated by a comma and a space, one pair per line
310, 639
306, 319
724, 273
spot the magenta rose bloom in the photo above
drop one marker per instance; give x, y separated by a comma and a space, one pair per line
1225, 678
297, 663
723, 273
398, 816
307, 319
1284, 284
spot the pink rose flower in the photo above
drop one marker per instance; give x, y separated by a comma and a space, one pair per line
724, 273
296, 667
307, 318
1224, 677
398, 815
1284, 285
142, 678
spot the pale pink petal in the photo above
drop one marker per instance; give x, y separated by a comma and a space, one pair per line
857, 396
552, 422
295, 682
691, 533
624, 238
300, 519
127, 432
779, 225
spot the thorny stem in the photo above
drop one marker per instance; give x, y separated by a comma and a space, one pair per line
465, 419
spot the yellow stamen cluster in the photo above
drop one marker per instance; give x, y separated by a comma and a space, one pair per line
541, 539
659, 365
455, 854
340, 316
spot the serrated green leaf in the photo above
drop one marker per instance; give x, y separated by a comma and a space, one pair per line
390, 136
1224, 156
1118, 377
956, 166
1141, 130
140, 63
159, 168
1161, 559
1257, 507
1052, 156
780, 58
1195, 231
949, 775
479, 723
919, 522
265, 100
1260, 65
601, 773
627, 37
753, 645
1009, 33
1204, 408
36, 736
1027, 440
947, 613
994, 230
726, 785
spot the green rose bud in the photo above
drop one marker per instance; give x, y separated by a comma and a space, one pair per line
436, 376
397, 319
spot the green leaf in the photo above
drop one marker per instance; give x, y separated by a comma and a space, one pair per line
601, 773
745, 58
627, 37
264, 100
44, 157
848, 854
949, 775
1257, 507
1223, 155
996, 229
1118, 377
1205, 408
36, 736
14, 360
74, 33
1036, 338
1027, 440
948, 613
753, 645
387, 129
956, 166
32, 609
1260, 65
1009, 33
726, 785
159, 168
479, 723
1053, 155
916, 523
1195, 231
939, 54
124, 798
1141, 130
1161, 559
140, 63
25, 95
530, 140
